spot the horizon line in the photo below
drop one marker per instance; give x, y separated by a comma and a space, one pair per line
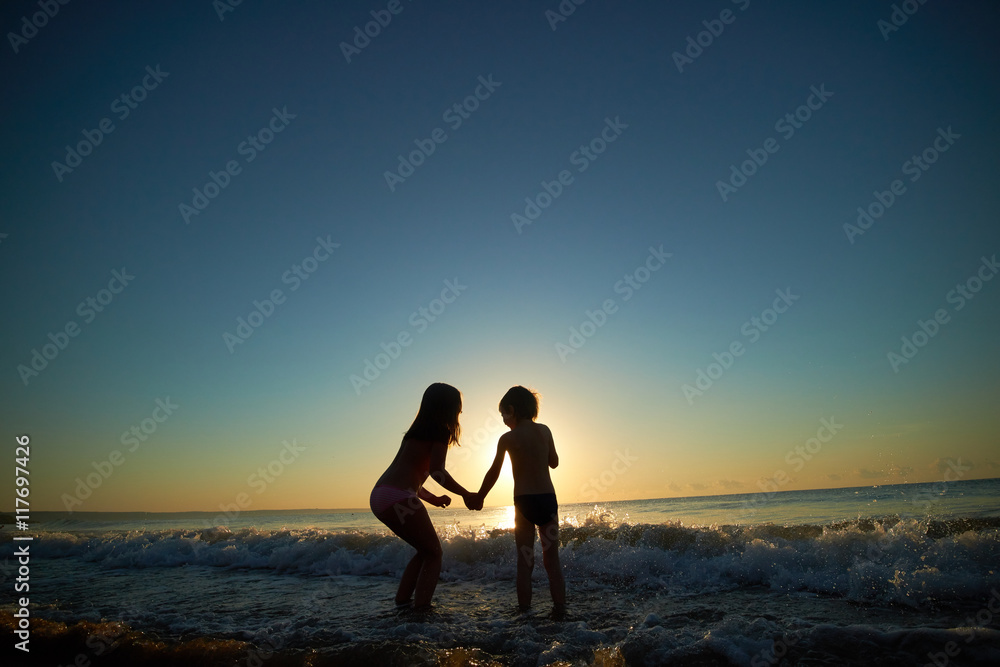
341, 510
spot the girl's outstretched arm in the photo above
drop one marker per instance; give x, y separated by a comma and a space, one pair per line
439, 452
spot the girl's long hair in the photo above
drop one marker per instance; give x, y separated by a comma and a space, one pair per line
437, 418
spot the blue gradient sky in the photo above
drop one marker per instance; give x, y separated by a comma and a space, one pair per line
620, 396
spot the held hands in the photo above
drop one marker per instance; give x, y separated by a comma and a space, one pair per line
474, 501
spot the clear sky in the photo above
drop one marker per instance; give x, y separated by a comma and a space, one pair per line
646, 211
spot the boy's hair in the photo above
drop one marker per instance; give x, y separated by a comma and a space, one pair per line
437, 418
522, 402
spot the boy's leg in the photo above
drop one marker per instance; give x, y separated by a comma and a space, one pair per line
422, 572
524, 538
548, 535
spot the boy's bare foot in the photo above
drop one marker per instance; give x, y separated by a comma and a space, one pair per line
559, 612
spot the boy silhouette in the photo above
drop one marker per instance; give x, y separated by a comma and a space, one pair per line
532, 452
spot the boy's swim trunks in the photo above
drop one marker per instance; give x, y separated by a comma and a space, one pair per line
538, 508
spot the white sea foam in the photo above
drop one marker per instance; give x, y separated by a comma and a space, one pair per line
890, 560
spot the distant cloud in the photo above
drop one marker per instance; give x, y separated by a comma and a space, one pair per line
991, 464
675, 487
891, 471
943, 465
730, 484
698, 486
833, 477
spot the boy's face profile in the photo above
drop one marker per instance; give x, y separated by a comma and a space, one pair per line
507, 413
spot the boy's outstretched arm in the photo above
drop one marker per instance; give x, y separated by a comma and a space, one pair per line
494, 472
553, 457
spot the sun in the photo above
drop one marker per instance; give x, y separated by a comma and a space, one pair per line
507, 521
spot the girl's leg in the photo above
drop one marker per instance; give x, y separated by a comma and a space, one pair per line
524, 538
408, 582
421, 574
548, 535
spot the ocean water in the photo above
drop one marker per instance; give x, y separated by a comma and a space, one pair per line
901, 574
